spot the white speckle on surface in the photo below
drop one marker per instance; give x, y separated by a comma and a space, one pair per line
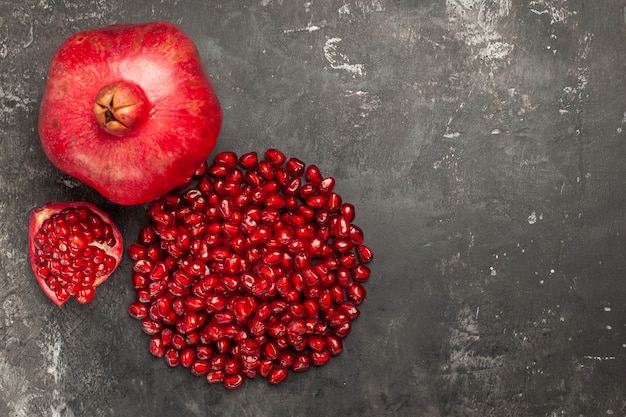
451, 135
476, 22
557, 13
51, 351
496, 51
340, 61
463, 338
534, 217
344, 10
599, 358
364, 7
308, 28
18, 391
19, 102
29, 41
367, 102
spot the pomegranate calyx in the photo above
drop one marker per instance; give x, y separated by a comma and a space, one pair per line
120, 107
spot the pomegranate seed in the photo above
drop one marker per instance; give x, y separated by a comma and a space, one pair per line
301, 363
333, 202
342, 245
320, 358
296, 327
178, 342
292, 188
356, 234
156, 347
138, 310
350, 309
199, 367
276, 328
316, 343
270, 350
234, 381
295, 167
343, 329
136, 251
217, 170
200, 170
364, 254
227, 159
356, 292
172, 357
249, 160
325, 300
192, 339
187, 357
151, 327
315, 201
204, 352
286, 358
232, 366
85, 294
215, 376
313, 175
360, 273
327, 184
163, 306
334, 345
265, 367
222, 345
341, 227
249, 347
275, 157
217, 361
277, 374
265, 170
337, 294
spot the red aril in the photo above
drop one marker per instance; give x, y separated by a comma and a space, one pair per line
255, 269
74, 247
277, 374
129, 110
234, 381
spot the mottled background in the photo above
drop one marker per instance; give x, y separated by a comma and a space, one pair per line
483, 144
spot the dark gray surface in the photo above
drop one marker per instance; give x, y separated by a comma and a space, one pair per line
482, 142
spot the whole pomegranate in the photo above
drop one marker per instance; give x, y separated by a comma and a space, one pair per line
74, 247
129, 110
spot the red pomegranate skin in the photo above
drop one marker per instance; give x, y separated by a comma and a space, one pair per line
164, 92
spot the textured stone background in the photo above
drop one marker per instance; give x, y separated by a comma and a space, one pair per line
483, 144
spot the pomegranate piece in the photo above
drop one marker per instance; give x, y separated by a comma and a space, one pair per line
256, 269
74, 247
129, 110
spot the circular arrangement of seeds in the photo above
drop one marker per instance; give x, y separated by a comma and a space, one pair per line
254, 268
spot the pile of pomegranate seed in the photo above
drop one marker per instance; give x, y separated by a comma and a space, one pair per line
255, 269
